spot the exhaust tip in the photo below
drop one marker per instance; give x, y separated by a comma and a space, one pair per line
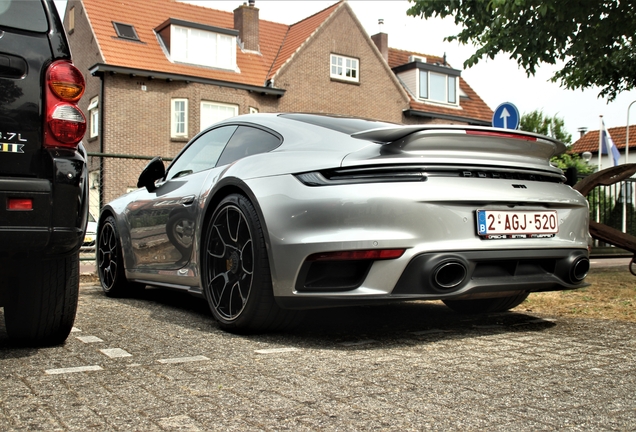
449, 275
580, 268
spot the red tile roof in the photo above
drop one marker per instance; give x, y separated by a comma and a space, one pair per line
472, 107
589, 141
299, 33
148, 54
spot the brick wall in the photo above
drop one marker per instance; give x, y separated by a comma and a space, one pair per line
85, 54
137, 120
310, 88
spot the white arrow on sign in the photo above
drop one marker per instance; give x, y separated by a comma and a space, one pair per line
504, 115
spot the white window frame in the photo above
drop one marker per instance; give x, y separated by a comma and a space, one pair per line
341, 66
447, 78
253, 110
202, 47
93, 117
175, 121
208, 118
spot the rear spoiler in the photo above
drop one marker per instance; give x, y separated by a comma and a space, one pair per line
393, 135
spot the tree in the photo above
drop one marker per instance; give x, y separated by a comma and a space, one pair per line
537, 122
595, 38
554, 127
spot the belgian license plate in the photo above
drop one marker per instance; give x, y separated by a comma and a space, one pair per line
494, 224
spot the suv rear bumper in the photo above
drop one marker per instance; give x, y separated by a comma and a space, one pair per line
56, 223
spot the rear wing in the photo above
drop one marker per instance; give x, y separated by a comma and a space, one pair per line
416, 138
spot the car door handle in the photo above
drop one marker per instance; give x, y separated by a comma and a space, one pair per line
186, 201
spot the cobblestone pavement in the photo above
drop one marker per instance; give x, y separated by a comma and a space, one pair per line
159, 362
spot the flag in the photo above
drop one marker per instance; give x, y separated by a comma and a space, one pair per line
607, 144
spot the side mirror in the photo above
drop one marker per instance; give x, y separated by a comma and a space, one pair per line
154, 171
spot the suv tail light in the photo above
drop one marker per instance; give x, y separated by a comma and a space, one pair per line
65, 123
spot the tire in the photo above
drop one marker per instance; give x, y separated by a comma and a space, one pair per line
110, 262
488, 305
42, 310
235, 271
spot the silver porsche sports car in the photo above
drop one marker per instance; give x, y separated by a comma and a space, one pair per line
266, 214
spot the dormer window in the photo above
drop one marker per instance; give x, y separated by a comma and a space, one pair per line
199, 44
437, 87
344, 68
430, 82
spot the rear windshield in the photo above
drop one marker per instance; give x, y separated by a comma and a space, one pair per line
339, 124
24, 15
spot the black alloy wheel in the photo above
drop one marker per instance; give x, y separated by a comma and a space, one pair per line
110, 263
235, 270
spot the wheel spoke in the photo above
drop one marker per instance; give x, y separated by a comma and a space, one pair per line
218, 243
238, 300
217, 293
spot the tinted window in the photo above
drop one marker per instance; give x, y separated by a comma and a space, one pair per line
339, 124
203, 153
248, 141
25, 15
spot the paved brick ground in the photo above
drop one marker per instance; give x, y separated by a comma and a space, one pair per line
159, 362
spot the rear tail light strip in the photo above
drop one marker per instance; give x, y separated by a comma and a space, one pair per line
416, 174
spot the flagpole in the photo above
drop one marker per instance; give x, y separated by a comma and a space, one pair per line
600, 143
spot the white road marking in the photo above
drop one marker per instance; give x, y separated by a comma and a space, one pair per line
89, 339
72, 370
276, 350
75, 330
115, 352
183, 359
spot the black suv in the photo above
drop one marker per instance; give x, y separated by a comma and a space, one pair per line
43, 175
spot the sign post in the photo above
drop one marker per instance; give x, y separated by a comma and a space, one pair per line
506, 116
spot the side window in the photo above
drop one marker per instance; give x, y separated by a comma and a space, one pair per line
248, 141
201, 154
93, 117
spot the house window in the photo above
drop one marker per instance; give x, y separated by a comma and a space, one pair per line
93, 117
253, 110
125, 31
212, 112
202, 47
438, 87
344, 68
179, 118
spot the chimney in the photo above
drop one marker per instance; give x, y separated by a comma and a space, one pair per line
381, 40
582, 131
246, 22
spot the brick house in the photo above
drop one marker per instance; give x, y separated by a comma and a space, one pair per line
588, 142
160, 71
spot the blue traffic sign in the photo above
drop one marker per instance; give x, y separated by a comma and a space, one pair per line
506, 116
